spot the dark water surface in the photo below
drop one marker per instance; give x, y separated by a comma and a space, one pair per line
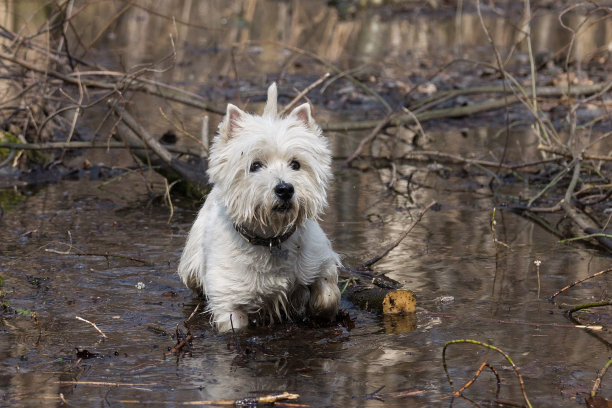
464, 288
108, 254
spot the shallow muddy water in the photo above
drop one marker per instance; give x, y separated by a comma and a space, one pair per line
465, 289
106, 252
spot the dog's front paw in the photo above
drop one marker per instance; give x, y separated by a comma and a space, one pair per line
299, 301
227, 321
324, 299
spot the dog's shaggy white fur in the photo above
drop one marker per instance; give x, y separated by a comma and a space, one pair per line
256, 249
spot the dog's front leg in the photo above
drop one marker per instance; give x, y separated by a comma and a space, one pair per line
226, 321
324, 297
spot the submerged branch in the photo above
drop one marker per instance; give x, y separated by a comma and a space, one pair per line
490, 347
367, 264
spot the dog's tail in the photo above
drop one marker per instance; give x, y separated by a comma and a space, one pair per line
270, 110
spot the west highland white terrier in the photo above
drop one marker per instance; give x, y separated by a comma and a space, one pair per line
256, 249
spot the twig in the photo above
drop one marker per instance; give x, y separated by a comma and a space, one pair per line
600, 375
481, 344
90, 145
103, 383
586, 225
193, 313
93, 324
182, 130
502, 71
83, 253
571, 285
554, 181
368, 139
266, 399
302, 94
561, 152
589, 236
168, 198
587, 306
180, 344
473, 379
380, 256
190, 173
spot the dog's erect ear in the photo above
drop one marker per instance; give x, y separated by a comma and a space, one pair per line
270, 110
302, 113
231, 121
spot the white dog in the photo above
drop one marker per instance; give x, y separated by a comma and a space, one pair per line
256, 249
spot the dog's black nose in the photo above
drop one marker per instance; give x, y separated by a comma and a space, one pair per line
284, 191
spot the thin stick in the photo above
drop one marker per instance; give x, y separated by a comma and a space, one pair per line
89, 145
560, 152
368, 139
588, 306
571, 285
180, 344
182, 130
553, 182
596, 235
303, 93
478, 343
471, 381
380, 256
103, 383
600, 375
93, 324
193, 313
502, 71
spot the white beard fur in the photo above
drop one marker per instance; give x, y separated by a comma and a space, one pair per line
241, 280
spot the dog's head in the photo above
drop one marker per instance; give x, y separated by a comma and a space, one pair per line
272, 171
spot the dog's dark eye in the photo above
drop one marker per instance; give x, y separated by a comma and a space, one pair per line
255, 166
294, 165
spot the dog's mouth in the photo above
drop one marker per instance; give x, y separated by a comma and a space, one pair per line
283, 207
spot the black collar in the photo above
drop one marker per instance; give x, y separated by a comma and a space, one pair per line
271, 242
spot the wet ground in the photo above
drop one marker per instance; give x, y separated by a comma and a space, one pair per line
107, 252
465, 288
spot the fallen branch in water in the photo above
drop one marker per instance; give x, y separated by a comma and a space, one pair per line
367, 264
193, 176
93, 324
600, 375
104, 383
490, 347
182, 340
368, 139
90, 145
475, 377
180, 344
571, 285
576, 308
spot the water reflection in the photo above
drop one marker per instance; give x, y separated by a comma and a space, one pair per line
451, 253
